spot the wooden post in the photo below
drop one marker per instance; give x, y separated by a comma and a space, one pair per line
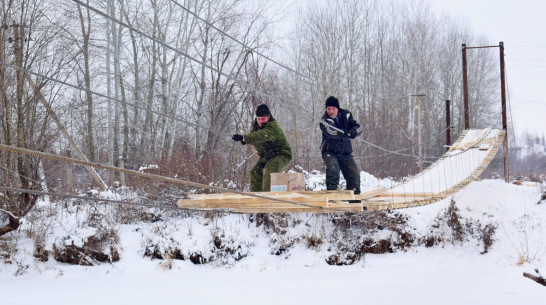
504, 123
465, 91
53, 116
448, 125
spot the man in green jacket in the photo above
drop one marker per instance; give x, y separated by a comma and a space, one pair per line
272, 148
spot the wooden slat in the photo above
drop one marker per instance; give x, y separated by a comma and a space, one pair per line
242, 199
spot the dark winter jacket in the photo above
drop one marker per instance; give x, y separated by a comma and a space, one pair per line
334, 141
269, 140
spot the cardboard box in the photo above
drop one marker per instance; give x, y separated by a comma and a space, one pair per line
284, 182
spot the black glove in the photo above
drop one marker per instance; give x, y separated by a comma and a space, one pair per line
237, 138
352, 134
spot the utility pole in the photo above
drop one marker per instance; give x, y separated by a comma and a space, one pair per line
504, 123
465, 90
18, 46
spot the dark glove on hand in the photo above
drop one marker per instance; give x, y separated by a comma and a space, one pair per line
237, 138
352, 134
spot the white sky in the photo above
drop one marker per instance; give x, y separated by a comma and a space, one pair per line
521, 26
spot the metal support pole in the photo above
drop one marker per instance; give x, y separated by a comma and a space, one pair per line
448, 124
504, 123
503, 101
465, 91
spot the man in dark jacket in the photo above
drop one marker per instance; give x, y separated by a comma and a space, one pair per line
338, 128
272, 147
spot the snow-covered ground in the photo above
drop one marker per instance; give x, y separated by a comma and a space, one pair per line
448, 273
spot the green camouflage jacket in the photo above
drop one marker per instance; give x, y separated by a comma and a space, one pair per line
269, 140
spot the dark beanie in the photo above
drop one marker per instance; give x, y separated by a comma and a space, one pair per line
262, 110
332, 102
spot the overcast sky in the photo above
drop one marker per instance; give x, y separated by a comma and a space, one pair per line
521, 25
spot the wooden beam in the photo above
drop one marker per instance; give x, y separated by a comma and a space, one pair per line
52, 114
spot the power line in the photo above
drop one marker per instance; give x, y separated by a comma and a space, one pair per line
240, 82
239, 42
106, 97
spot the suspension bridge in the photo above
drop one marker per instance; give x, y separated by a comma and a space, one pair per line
463, 163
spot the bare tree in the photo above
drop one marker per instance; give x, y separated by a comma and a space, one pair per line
24, 124
85, 24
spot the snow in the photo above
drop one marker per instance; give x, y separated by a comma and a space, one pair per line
450, 273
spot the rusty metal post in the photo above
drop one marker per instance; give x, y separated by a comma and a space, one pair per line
448, 124
465, 90
504, 123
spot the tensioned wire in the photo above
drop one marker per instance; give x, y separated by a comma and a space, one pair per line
241, 43
107, 97
180, 52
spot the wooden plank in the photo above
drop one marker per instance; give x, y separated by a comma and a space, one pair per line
293, 210
307, 193
252, 200
277, 208
217, 205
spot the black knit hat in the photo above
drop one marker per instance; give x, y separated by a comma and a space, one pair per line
332, 102
262, 110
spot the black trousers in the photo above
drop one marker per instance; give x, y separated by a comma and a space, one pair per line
344, 162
